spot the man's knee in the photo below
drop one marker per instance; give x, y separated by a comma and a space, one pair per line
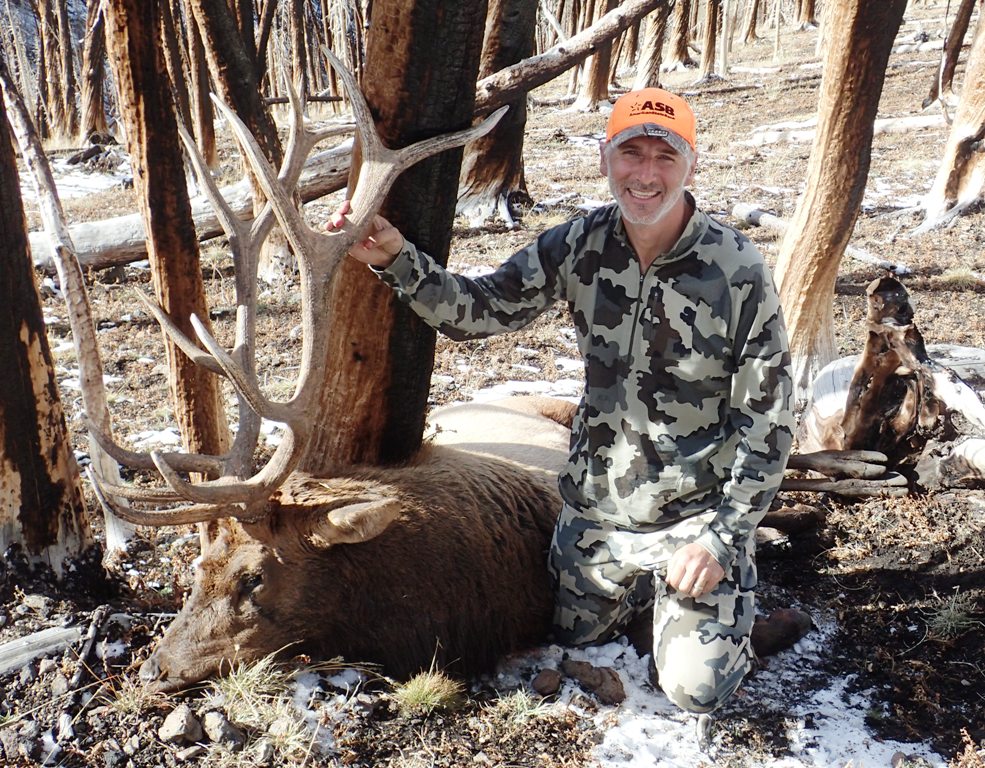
701, 688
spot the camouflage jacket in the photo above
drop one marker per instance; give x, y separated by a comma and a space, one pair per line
687, 399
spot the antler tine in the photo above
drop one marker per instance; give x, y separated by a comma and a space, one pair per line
283, 207
191, 513
183, 343
183, 462
245, 385
224, 492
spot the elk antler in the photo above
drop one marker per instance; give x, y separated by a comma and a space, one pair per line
318, 255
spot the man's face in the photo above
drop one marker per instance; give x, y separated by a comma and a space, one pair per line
646, 177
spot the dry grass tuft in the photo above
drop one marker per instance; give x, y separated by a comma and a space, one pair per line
428, 692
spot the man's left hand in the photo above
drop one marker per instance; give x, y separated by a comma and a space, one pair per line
693, 571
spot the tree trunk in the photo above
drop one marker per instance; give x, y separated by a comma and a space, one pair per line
680, 56
944, 77
651, 55
299, 51
93, 56
421, 70
595, 78
41, 505
66, 46
807, 14
752, 16
203, 116
493, 165
148, 114
862, 35
960, 179
709, 40
49, 118
177, 66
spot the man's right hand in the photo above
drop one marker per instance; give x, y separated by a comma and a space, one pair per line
382, 245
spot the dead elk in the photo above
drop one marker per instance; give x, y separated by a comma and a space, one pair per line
442, 562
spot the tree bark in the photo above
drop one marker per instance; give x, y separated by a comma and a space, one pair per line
595, 78
41, 505
709, 40
752, 16
651, 54
148, 113
960, 179
493, 165
680, 56
944, 77
807, 14
93, 57
203, 115
862, 35
422, 63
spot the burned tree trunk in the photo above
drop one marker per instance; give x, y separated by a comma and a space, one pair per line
493, 166
807, 265
41, 506
679, 56
595, 77
373, 404
709, 40
152, 141
960, 179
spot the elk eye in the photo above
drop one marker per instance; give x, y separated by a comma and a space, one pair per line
249, 583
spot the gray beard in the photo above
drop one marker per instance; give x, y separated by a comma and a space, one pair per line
670, 200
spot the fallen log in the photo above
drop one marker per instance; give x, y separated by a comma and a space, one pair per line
891, 484
16, 653
859, 464
122, 240
750, 214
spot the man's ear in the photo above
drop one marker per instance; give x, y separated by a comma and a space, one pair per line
694, 167
603, 162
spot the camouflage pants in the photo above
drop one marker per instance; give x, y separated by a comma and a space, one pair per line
605, 575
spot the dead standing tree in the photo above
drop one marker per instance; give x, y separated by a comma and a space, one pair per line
944, 78
960, 179
152, 141
373, 407
492, 169
860, 40
41, 506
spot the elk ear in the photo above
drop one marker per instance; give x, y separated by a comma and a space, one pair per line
355, 522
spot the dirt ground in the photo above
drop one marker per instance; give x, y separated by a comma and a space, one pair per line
905, 578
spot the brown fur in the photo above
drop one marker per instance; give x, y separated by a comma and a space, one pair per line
458, 579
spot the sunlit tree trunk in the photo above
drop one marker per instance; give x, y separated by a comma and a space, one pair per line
960, 180
861, 38
147, 110
93, 58
709, 39
679, 56
651, 52
41, 505
944, 77
595, 78
752, 17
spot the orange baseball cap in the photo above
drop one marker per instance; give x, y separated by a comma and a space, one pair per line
652, 112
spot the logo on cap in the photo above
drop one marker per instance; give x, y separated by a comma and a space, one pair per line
652, 108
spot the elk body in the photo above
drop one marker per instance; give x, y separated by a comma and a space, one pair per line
441, 561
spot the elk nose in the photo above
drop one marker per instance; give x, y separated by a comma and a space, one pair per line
150, 670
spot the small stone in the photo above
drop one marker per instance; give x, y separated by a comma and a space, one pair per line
189, 753
547, 682
180, 726
47, 666
59, 686
132, 745
604, 682
221, 731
